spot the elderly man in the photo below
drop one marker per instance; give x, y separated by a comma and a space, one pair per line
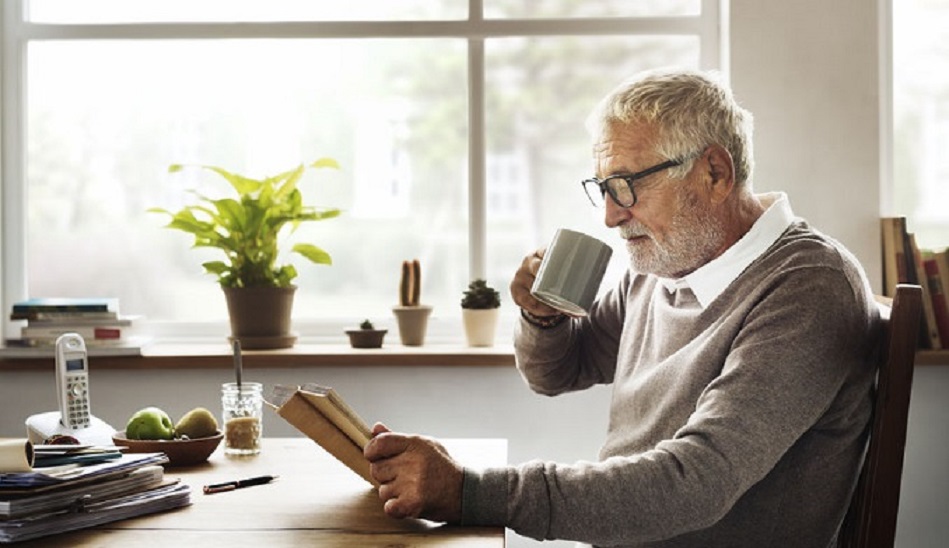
739, 347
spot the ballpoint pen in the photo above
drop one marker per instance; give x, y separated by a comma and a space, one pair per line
237, 484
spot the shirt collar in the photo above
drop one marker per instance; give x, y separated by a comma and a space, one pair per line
710, 280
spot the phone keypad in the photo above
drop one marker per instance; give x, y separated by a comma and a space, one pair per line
78, 403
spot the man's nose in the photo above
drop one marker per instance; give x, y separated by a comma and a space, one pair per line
615, 214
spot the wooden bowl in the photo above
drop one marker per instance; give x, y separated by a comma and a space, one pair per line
180, 452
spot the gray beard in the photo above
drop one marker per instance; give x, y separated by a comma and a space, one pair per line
693, 240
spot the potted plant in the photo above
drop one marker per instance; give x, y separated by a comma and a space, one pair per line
367, 336
247, 228
412, 316
479, 311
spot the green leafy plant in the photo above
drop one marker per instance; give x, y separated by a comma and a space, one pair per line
247, 227
366, 325
480, 295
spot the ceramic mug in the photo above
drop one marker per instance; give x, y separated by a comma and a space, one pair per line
571, 272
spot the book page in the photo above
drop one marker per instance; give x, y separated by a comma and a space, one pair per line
337, 410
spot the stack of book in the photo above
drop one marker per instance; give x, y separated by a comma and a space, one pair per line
905, 262
97, 320
82, 486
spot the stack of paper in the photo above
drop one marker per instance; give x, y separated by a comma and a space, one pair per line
54, 499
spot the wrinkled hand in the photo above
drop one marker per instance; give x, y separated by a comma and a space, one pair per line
522, 282
417, 477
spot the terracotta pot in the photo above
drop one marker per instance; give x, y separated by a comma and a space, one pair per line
261, 316
366, 338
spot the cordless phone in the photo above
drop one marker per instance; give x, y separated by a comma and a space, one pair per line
74, 418
72, 381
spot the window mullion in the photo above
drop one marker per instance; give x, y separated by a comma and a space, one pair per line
477, 155
12, 159
477, 183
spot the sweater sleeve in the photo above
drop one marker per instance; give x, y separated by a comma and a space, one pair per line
576, 354
799, 344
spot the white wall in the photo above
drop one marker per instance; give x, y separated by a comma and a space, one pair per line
808, 70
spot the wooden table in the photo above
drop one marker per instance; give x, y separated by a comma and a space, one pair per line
315, 502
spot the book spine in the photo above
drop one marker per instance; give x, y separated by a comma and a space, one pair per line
891, 272
84, 331
62, 315
121, 321
904, 255
942, 261
50, 342
66, 305
938, 293
929, 316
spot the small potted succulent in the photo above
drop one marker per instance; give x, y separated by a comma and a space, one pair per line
479, 310
367, 336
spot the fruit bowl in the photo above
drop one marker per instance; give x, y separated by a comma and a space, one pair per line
180, 452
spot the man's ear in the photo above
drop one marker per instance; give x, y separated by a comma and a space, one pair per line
720, 173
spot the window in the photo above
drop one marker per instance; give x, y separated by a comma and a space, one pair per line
921, 118
458, 126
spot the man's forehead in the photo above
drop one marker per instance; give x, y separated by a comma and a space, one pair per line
617, 138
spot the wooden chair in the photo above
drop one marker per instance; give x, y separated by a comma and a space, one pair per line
871, 518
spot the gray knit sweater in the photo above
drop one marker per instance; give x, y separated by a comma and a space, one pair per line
738, 425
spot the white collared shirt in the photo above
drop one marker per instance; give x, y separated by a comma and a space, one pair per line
708, 281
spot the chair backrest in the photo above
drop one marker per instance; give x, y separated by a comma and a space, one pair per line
871, 518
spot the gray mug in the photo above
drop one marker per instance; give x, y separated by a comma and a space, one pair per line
571, 272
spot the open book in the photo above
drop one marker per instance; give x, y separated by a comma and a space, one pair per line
320, 413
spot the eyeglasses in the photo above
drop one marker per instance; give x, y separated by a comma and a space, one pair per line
620, 187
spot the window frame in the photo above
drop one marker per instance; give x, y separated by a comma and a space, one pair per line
709, 26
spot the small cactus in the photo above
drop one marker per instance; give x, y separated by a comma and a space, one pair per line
410, 286
367, 325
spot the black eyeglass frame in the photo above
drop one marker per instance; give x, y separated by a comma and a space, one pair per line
605, 188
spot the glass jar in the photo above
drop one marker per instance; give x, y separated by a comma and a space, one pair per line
243, 417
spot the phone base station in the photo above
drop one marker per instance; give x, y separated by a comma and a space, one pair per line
43, 426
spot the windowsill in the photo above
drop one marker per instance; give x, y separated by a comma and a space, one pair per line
178, 355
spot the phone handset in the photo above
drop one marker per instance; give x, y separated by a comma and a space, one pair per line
72, 381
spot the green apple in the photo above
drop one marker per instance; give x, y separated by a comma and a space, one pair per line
150, 423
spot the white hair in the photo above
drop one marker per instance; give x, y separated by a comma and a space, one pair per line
690, 110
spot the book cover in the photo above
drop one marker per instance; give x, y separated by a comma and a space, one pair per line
95, 332
889, 233
67, 304
941, 256
929, 316
79, 320
904, 254
938, 293
328, 402
63, 315
299, 407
